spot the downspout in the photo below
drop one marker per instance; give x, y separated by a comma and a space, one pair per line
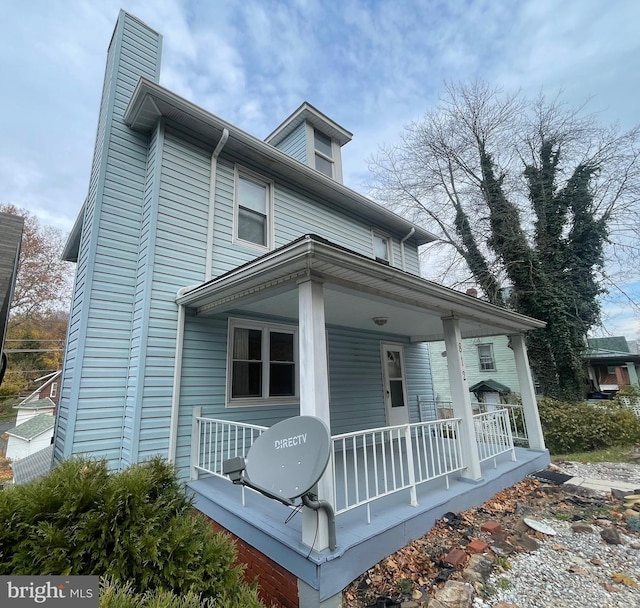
208, 268
411, 233
177, 375
325, 505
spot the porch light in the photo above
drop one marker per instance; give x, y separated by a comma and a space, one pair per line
380, 321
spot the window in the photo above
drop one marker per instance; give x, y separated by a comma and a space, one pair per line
323, 153
485, 356
381, 248
54, 389
611, 370
262, 363
253, 209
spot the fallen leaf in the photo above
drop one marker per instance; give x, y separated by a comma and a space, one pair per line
625, 580
610, 588
578, 570
557, 547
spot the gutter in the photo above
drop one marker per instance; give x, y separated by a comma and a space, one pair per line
212, 196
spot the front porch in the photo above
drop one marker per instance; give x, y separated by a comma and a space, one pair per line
390, 486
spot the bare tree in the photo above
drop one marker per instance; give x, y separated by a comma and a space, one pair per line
535, 203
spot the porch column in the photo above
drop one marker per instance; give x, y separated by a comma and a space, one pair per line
461, 398
633, 375
527, 392
314, 395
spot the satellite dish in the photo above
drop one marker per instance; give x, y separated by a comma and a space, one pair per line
289, 458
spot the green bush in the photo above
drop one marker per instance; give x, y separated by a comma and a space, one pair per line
582, 427
115, 596
137, 526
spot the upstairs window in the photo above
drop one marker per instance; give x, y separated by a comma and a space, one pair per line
262, 363
253, 209
485, 357
382, 248
323, 153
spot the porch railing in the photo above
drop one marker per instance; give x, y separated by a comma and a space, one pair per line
370, 464
367, 465
493, 435
430, 410
218, 440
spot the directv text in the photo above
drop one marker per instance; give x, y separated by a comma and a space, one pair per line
290, 442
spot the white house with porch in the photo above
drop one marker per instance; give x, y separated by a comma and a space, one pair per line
224, 284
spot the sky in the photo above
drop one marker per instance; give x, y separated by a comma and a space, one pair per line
371, 65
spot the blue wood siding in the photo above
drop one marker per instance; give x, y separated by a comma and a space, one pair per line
295, 144
97, 357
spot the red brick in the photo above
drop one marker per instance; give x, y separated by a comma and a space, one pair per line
477, 546
491, 527
456, 557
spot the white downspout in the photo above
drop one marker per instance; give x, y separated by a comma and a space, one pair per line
411, 233
177, 375
208, 268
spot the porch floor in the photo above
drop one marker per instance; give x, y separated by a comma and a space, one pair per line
262, 522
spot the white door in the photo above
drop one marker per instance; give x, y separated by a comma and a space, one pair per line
395, 385
491, 401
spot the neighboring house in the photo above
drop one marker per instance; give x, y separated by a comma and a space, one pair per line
41, 401
47, 389
611, 364
29, 437
491, 370
224, 284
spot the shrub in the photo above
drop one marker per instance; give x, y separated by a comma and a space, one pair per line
582, 427
137, 526
115, 596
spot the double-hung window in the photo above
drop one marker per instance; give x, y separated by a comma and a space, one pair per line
485, 357
253, 209
262, 363
323, 149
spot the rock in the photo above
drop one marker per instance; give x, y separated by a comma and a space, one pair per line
502, 548
520, 526
478, 569
636, 546
581, 528
631, 513
505, 605
619, 494
455, 594
611, 536
527, 542
603, 523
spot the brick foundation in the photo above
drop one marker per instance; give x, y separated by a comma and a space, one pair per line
278, 587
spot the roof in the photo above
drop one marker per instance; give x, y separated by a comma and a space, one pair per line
33, 427
356, 289
615, 343
307, 113
33, 466
38, 404
11, 230
491, 385
610, 356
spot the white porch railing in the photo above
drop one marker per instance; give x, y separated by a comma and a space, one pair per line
370, 464
218, 440
367, 465
493, 435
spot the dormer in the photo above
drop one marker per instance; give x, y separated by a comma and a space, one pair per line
312, 138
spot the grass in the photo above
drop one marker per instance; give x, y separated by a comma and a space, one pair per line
613, 454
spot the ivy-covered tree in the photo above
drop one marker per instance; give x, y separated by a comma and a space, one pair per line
535, 203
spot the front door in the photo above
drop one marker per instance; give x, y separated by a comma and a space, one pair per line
395, 391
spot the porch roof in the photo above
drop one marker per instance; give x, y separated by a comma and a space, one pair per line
357, 289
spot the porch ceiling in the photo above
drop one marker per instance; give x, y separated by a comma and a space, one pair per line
356, 290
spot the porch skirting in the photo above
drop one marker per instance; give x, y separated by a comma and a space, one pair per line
269, 532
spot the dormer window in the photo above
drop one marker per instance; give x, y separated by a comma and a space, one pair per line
381, 248
323, 153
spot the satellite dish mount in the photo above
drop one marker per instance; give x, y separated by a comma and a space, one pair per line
285, 463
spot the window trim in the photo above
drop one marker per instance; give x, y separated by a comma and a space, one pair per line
331, 159
243, 172
379, 233
53, 390
493, 358
265, 327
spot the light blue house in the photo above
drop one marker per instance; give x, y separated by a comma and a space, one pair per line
225, 283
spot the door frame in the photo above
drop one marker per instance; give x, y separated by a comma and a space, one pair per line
393, 413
